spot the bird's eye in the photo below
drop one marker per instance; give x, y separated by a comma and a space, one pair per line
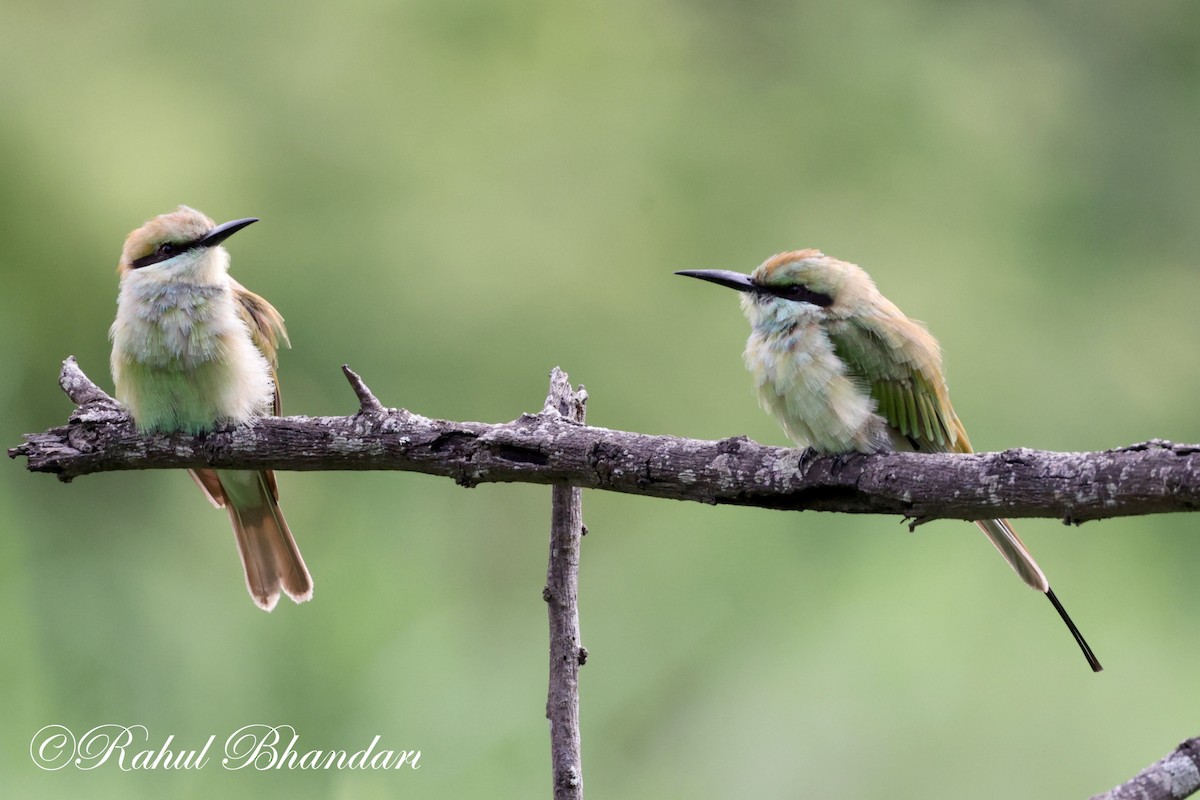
166, 250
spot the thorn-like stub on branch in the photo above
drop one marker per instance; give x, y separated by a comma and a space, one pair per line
560, 393
583, 656
368, 403
80, 388
562, 401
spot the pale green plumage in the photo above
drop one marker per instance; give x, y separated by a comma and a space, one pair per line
185, 341
863, 377
844, 370
909, 392
192, 350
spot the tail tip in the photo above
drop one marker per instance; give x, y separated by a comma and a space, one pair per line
1093, 662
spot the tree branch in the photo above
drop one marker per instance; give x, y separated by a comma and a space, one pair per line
547, 448
561, 595
1172, 778
555, 447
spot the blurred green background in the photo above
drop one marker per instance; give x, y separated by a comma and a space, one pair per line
456, 197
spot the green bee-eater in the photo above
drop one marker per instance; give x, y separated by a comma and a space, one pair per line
844, 370
193, 349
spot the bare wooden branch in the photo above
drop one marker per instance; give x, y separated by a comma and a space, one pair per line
1172, 778
562, 595
555, 447
547, 448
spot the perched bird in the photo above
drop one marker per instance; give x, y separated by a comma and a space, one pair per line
843, 370
194, 349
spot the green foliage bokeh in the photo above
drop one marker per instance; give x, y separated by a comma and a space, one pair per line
458, 196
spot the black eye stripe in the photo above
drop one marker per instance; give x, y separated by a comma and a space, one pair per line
799, 293
162, 253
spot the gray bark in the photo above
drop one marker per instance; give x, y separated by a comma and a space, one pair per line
561, 594
555, 447
547, 448
1172, 778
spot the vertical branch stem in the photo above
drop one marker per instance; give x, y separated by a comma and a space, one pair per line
561, 595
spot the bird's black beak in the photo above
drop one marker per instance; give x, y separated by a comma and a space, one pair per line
724, 277
224, 231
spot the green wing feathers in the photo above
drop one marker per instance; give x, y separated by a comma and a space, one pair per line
914, 406
900, 363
